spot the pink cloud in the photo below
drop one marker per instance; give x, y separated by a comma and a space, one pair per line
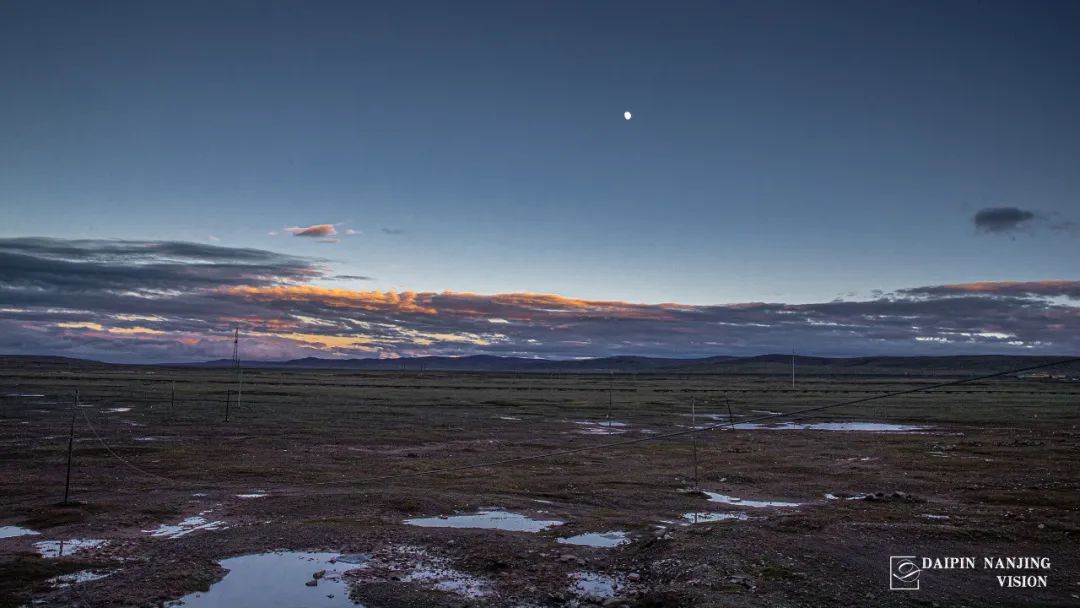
316, 231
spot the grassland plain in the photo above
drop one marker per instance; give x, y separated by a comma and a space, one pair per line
992, 471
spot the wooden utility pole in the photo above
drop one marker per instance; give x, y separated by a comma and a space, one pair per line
71, 445
693, 437
228, 397
792, 367
172, 400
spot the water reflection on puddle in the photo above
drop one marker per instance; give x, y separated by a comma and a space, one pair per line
874, 427
490, 520
59, 548
185, 527
410, 564
597, 539
12, 531
276, 580
594, 586
732, 500
82, 576
705, 517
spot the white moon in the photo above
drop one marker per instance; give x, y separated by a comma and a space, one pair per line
627, 115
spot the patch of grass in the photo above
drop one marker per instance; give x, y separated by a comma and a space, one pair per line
27, 573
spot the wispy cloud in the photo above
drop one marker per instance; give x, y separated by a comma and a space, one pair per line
393, 231
146, 300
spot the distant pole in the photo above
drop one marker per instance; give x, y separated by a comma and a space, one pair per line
236, 365
693, 436
793, 367
71, 445
172, 400
228, 395
610, 397
731, 417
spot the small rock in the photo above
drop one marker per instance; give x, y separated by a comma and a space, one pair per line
319, 574
567, 557
633, 576
312, 583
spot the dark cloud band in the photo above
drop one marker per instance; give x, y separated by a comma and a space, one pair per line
147, 300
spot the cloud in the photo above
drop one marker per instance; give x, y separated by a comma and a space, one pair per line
168, 301
349, 277
316, 231
393, 231
351, 232
1000, 220
1014, 289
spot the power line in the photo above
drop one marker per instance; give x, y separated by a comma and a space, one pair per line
712, 427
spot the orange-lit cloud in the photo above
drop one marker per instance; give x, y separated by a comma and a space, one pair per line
146, 301
319, 231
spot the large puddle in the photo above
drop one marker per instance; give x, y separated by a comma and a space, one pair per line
597, 539
732, 500
12, 531
488, 520
277, 580
59, 548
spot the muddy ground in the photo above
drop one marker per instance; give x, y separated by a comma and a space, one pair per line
993, 472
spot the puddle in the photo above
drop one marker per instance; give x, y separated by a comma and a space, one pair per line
603, 427
118, 410
507, 418
276, 580
13, 531
594, 586
185, 527
82, 576
767, 412
874, 427
703, 517
415, 565
597, 539
731, 500
59, 548
22, 395
930, 516
489, 520
832, 496
257, 494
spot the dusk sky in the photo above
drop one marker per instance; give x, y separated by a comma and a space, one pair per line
382, 179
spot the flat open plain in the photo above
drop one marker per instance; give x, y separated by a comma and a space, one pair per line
991, 469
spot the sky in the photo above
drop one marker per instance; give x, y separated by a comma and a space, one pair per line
458, 178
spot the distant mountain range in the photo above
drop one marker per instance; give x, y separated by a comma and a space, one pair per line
762, 364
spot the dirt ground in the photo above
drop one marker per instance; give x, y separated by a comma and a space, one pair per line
992, 472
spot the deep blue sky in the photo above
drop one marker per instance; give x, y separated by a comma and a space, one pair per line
779, 151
